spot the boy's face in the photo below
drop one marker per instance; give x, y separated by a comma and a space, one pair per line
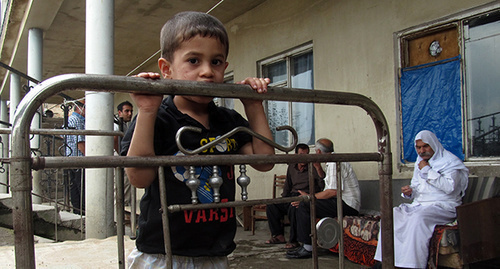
197, 59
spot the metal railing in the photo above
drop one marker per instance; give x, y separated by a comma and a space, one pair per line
65, 204
22, 164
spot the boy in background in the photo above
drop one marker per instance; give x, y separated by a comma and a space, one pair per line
194, 47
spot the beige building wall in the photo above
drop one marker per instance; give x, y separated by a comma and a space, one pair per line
353, 49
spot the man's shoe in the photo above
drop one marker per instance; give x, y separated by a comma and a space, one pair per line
293, 251
300, 253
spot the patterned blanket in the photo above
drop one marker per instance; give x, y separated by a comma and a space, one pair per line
435, 242
360, 239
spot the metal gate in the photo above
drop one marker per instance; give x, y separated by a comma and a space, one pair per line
22, 163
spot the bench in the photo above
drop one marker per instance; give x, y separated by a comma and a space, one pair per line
360, 232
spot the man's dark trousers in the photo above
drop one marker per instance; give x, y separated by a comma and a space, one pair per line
275, 215
77, 194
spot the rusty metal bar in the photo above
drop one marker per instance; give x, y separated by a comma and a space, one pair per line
386, 218
340, 213
164, 217
133, 212
312, 206
21, 163
120, 227
125, 161
177, 208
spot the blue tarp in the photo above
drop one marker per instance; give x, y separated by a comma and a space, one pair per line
430, 100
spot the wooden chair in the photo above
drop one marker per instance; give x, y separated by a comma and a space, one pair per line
259, 211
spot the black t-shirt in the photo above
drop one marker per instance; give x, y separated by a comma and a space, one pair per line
193, 233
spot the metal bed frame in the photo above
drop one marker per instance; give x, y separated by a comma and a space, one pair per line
22, 164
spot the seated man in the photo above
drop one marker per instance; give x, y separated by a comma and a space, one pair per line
297, 179
437, 187
326, 200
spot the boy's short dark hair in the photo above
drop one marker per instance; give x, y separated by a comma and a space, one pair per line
124, 103
186, 25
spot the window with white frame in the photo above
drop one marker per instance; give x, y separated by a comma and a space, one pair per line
449, 84
292, 69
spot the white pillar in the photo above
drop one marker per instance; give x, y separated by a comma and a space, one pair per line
4, 117
35, 69
15, 98
99, 41
15, 95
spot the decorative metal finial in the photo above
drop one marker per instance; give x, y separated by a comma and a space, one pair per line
215, 181
193, 184
243, 180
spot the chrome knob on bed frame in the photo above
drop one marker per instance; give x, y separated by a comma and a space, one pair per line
193, 184
243, 180
215, 181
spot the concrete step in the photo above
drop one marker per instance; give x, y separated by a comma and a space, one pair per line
48, 221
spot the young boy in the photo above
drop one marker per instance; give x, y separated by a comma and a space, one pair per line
194, 47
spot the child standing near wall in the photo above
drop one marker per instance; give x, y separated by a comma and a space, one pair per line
194, 47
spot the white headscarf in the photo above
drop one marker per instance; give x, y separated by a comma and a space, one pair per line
442, 161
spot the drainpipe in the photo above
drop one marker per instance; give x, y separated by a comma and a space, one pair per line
99, 41
35, 67
4, 145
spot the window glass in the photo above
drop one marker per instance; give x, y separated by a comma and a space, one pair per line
276, 72
278, 112
303, 113
294, 71
482, 52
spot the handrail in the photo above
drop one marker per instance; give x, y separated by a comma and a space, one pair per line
21, 163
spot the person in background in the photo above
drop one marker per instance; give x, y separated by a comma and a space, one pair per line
76, 147
297, 179
437, 187
125, 111
326, 200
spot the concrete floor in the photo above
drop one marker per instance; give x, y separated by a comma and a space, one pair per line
251, 252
